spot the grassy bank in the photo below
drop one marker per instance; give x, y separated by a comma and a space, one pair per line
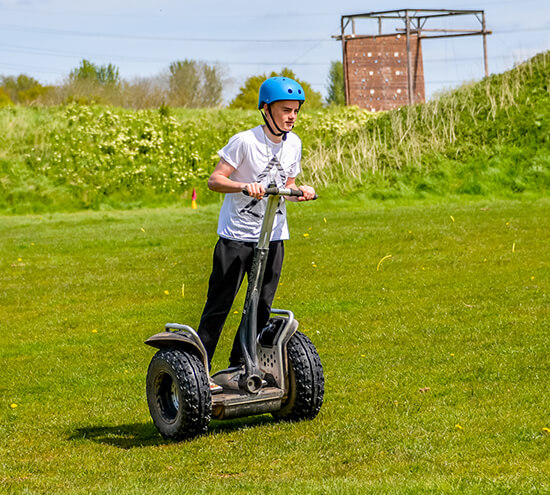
486, 138
490, 139
431, 322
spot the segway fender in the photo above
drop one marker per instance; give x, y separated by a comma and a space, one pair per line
178, 340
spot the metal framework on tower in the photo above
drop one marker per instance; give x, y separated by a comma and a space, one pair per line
384, 70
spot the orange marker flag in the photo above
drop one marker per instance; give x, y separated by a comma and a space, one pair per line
194, 200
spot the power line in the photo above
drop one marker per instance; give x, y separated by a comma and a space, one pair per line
34, 68
125, 15
67, 32
67, 54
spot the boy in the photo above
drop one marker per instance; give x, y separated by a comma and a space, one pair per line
251, 161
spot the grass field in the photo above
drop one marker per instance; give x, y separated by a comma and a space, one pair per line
431, 321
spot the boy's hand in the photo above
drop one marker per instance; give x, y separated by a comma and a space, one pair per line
309, 193
256, 190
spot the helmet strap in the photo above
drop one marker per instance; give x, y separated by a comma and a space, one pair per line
280, 131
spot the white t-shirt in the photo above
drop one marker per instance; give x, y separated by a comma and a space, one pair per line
257, 159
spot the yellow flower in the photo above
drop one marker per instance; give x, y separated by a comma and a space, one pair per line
457, 426
547, 430
306, 235
13, 406
167, 292
452, 218
94, 331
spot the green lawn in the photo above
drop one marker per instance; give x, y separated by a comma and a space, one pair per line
436, 359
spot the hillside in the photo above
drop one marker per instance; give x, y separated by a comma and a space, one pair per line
490, 138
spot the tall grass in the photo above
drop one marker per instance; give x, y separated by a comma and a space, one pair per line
479, 121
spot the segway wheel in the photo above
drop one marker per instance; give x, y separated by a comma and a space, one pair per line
178, 394
306, 382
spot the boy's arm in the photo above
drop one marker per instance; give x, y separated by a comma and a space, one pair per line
220, 182
309, 192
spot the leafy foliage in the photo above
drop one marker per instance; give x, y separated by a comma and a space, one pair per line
336, 86
249, 93
195, 84
102, 74
85, 156
22, 89
4, 98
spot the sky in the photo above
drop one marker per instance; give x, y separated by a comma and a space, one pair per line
46, 39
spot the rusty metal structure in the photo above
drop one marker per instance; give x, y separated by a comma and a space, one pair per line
385, 70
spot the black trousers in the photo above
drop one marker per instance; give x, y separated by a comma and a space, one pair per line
232, 259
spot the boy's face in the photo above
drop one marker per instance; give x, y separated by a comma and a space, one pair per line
284, 113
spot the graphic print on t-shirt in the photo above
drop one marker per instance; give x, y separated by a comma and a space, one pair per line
279, 179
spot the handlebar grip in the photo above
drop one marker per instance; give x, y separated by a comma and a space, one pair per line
298, 193
282, 191
270, 191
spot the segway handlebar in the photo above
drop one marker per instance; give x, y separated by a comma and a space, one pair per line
281, 191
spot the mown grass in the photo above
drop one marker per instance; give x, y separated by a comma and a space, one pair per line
436, 358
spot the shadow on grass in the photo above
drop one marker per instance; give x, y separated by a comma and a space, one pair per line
128, 436
137, 435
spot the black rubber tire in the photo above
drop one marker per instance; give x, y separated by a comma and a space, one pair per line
306, 381
178, 394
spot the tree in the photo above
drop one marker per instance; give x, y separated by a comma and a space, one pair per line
105, 75
91, 83
184, 83
336, 87
250, 92
194, 84
17, 87
212, 87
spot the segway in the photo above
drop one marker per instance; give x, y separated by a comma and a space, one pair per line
282, 372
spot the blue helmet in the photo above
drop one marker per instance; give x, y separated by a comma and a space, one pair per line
278, 89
